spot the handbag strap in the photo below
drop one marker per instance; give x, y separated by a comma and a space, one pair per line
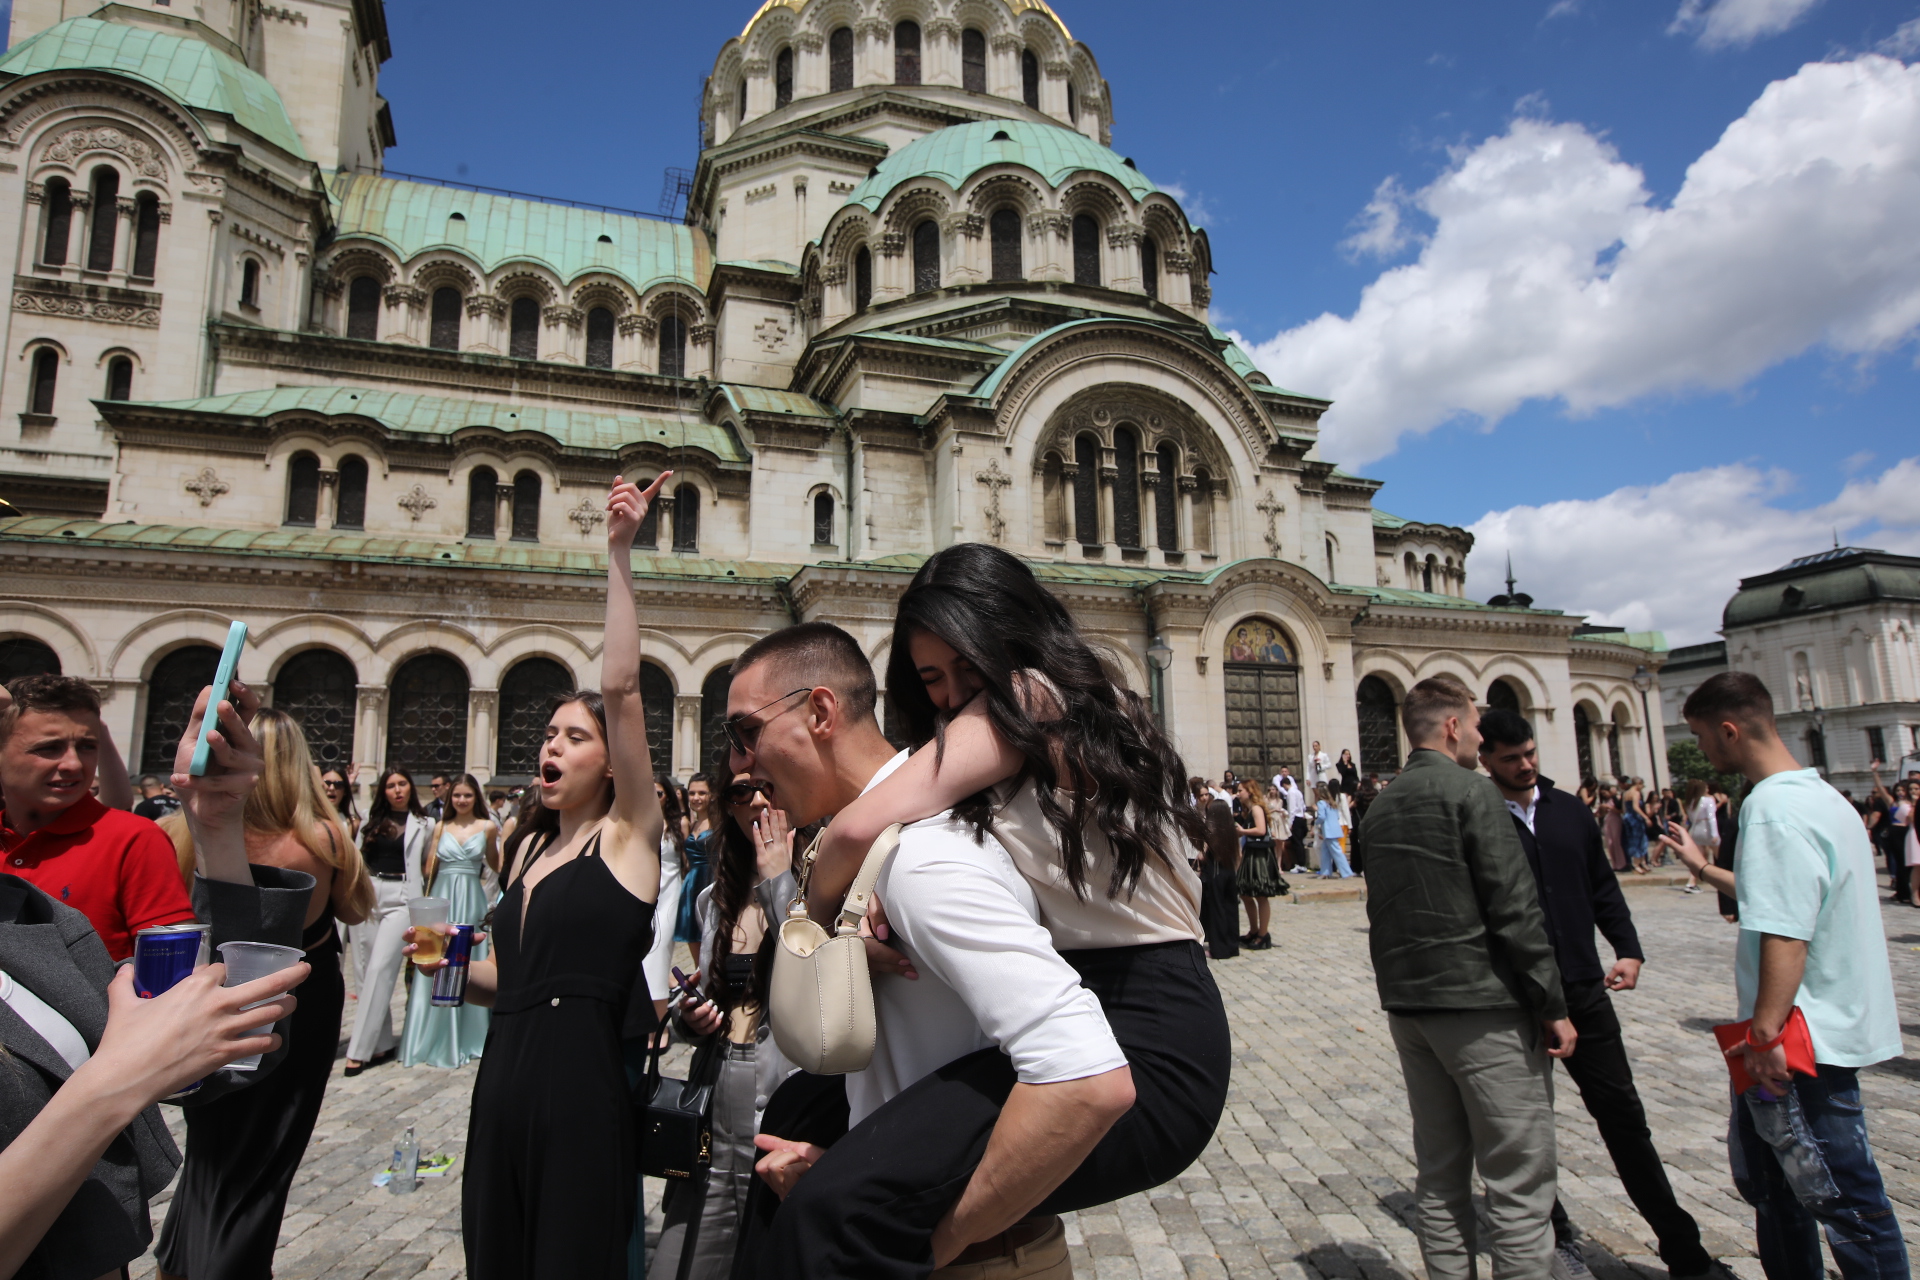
859, 894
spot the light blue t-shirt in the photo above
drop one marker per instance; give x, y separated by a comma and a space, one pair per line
1804, 870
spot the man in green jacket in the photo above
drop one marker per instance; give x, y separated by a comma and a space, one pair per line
1471, 991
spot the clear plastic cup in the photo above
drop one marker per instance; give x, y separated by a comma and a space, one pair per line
247, 961
429, 919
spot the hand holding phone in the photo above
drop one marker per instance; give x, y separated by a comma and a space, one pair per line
222, 679
686, 985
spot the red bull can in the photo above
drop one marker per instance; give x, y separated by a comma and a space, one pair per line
164, 955
450, 980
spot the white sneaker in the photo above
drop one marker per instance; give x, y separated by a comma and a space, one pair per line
1568, 1264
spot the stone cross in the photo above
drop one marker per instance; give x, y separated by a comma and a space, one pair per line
416, 503
586, 515
995, 479
207, 486
1271, 506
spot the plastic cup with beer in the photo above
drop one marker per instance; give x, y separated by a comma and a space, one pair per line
429, 919
246, 961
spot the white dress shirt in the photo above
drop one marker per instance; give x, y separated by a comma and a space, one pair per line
1525, 812
989, 975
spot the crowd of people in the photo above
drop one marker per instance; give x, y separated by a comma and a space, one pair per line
1047, 1037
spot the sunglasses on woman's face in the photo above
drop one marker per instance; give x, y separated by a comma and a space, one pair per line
739, 793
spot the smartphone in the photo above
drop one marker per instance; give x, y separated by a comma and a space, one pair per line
686, 986
222, 678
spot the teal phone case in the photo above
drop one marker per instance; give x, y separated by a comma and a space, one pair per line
222, 677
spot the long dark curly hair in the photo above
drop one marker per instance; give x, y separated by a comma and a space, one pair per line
536, 820
1124, 774
736, 868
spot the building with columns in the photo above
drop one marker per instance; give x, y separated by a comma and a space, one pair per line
915, 297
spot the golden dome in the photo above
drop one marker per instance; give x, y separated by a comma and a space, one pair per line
1017, 6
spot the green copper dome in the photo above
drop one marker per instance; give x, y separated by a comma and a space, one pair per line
186, 69
959, 151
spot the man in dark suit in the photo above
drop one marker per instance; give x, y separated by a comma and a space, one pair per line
1579, 892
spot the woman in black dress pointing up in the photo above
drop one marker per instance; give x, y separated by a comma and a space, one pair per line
550, 1171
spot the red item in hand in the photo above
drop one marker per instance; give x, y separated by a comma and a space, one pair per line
1794, 1038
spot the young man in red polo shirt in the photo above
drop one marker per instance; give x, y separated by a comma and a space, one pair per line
116, 869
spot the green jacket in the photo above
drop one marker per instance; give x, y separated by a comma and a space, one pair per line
1453, 904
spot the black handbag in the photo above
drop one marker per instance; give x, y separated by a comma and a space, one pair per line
675, 1135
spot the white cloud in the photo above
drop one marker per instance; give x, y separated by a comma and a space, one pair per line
1383, 231
1192, 203
1667, 556
1724, 23
1904, 42
1551, 274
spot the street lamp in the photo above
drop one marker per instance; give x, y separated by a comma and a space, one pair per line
1643, 681
1160, 654
1159, 658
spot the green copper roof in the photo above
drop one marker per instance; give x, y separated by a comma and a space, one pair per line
311, 545
404, 412
186, 69
746, 398
411, 217
1652, 641
957, 152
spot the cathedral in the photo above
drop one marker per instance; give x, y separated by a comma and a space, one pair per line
914, 296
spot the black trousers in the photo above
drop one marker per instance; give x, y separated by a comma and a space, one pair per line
243, 1149
869, 1207
1600, 1068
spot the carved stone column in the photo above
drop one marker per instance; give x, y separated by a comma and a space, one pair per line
329, 495
369, 737
1187, 484
686, 735
483, 733
502, 512
1109, 480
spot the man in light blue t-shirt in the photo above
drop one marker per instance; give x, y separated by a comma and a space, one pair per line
1811, 937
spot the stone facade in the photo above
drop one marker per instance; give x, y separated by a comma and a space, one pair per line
915, 299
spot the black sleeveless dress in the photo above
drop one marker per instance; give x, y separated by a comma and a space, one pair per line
550, 1170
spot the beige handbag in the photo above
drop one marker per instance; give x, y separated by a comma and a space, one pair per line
821, 996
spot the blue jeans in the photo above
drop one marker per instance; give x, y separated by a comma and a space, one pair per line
1803, 1163
1331, 857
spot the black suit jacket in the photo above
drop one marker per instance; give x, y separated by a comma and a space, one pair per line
1578, 889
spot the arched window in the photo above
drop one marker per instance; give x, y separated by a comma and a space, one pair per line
350, 505
1817, 747
822, 519
1616, 729
1086, 249
482, 484
1202, 510
1086, 491
1413, 572
1003, 230
713, 715
783, 78
46, 376
303, 489
1073, 105
1330, 571
648, 534
686, 518
427, 716
741, 115
172, 689
1583, 739
1166, 514
656, 696
250, 283
906, 52
445, 333
526, 507
363, 308
1053, 489
862, 279
20, 656
53, 250
523, 338
1379, 727
599, 338
926, 257
1150, 268
146, 234
673, 346
317, 688
1030, 79
1126, 488
1426, 575
840, 59
120, 378
1501, 696
528, 694
973, 60
106, 219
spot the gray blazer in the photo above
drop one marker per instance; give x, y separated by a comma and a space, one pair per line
52, 950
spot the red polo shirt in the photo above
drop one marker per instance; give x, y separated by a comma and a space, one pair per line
117, 870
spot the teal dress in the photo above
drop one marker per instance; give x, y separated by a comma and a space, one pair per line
450, 1037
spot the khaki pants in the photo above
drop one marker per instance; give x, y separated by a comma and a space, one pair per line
1480, 1086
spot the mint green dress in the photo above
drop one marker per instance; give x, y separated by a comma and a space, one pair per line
450, 1037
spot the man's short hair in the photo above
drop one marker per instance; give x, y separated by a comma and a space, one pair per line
1429, 703
1735, 696
47, 693
1503, 728
149, 780
819, 655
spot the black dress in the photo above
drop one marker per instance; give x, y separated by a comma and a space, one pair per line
550, 1170
243, 1149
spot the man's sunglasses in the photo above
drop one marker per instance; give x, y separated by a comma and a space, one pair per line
743, 733
739, 793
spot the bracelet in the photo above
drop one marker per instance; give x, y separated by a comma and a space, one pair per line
1771, 1044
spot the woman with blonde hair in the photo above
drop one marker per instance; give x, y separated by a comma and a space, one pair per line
243, 1149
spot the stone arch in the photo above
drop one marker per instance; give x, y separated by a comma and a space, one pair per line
1098, 195
151, 138
360, 258
68, 640
446, 271
153, 638
905, 210
670, 299
287, 637
538, 641
413, 638
1523, 675
1003, 188
128, 148
522, 282
1042, 34
1163, 219
603, 291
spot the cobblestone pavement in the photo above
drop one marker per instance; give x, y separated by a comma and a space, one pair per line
1310, 1175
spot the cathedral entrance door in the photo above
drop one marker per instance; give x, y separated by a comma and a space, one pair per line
1263, 702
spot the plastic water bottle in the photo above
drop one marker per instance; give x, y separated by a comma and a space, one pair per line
405, 1169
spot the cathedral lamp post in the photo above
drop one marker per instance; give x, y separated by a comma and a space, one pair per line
1643, 681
